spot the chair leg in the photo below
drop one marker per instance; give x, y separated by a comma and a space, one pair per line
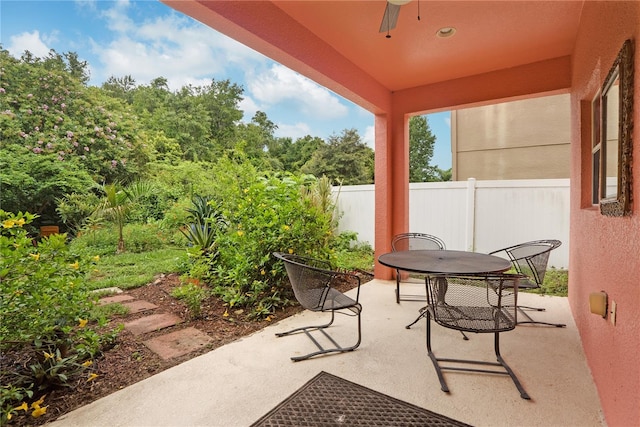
532, 308
434, 359
423, 311
496, 341
321, 350
407, 297
501, 363
307, 328
535, 322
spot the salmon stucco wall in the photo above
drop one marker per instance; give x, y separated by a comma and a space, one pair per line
605, 251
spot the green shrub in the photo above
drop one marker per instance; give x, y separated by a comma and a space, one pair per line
176, 215
556, 283
351, 254
100, 239
76, 210
192, 295
139, 237
265, 214
46, 333
144, 237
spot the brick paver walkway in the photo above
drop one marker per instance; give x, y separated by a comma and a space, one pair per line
152, 322
168, 345
178, 343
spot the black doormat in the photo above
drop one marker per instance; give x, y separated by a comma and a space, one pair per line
327, 400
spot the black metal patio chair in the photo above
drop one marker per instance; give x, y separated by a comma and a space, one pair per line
480, 304
313, 284
531, 259
408, 242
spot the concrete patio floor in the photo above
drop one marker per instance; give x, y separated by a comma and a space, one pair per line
236, 384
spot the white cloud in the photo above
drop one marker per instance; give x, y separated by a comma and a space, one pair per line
294, 131
32, 42
144, 62
90, 5
248, 107
282, 85
116, 17
171, 46
369, 136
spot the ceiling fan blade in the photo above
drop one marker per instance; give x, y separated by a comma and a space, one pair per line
390, 17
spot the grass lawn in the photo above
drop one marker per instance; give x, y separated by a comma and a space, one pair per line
131, 270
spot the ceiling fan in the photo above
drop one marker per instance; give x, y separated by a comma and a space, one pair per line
390, 17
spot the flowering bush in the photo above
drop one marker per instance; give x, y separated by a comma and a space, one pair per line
45, 335
66, 135
265, 214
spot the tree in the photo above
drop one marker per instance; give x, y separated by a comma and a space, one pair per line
77, 68
293, 155
46, 110
220, 100
202, 120
186, 121
256, 138
421, 142
444, 175
120, 87
149, 100
345, 159
59, 136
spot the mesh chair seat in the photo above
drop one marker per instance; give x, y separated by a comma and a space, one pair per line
480, 304
328, 299
474, 319
313, 286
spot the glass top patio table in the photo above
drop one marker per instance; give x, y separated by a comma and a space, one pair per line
444, 262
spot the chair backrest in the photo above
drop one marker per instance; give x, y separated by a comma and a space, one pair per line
484, 303
415, 241
532, 258
310, 279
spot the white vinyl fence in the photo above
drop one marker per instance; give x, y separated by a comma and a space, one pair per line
472, 215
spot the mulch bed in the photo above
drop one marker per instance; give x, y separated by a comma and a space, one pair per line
130, 361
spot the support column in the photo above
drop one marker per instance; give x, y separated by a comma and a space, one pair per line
391, 184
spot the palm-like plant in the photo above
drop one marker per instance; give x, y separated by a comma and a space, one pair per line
206, 222
118, 202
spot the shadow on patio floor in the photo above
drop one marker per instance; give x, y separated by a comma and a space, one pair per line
236, 384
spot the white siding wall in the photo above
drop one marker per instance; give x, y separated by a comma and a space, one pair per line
473, 215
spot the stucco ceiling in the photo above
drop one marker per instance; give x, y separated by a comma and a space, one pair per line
489, 36
338, 43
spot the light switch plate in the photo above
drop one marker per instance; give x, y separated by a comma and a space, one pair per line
612, 315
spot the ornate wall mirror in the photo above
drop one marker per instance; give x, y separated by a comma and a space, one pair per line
616, 107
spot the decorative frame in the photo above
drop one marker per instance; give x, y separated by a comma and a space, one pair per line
596, 146
622, 204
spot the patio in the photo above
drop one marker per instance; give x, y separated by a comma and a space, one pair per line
236, 384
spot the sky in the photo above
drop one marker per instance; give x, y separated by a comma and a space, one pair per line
147, 39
